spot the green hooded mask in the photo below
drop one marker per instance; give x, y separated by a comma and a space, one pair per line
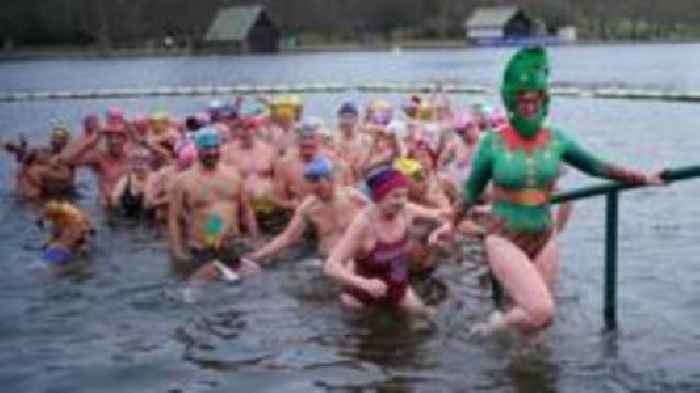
527, 70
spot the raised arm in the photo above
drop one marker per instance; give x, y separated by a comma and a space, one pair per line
79, 154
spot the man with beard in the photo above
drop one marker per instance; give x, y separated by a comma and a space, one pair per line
108, 165
41, 174
329, 209
205, 204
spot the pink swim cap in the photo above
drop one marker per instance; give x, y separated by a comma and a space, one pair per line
115, 115
186, 156
463, 120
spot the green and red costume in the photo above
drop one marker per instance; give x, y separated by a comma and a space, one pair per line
523, 159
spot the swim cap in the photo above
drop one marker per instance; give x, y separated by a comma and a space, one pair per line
527, 70
215, 105
462, 121
310, 127
206, 138
186, 156
314, 122
319, 167
383, 180
409, 167
426, 111
115, 115
60, 133
348, 108
287, 108
381, 112
57, 255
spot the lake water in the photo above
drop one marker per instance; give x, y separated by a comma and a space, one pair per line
122, 325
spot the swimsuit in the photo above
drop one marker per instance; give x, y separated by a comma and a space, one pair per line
131, 204
523, 172
388, 261
229, 254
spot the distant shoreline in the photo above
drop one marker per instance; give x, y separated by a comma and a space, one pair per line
53, 53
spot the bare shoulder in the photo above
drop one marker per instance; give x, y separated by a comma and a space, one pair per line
355, 196
363, 219
183, 179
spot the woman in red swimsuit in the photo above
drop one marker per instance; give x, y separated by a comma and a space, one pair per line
371, 259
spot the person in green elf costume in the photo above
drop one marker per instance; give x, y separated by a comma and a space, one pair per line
522, 162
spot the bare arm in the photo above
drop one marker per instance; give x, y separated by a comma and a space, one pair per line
336, 266
291, 233
417, 211
79, 154
175, 214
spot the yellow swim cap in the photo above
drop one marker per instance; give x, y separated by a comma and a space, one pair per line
286, 107
426, 112
409, 167
60, 133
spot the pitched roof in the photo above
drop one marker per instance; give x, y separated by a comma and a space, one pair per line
233, 23
491, 16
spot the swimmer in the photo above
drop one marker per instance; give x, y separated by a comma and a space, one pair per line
205, 206
371, 260
522, 162
108, 165
289, 183
329, 210
254, 159
71, 232
128, 193
41, 174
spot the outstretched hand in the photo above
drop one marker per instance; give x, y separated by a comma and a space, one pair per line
656, 178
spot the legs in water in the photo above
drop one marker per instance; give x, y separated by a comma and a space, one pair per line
527, 282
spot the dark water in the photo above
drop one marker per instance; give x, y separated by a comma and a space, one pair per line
121, 324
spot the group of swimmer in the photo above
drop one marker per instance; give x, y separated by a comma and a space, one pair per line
384, 194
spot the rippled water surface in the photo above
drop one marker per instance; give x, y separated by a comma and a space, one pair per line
122, 323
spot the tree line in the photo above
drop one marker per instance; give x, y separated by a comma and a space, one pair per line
133, 23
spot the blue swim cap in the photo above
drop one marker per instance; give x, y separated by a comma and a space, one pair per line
318, 168
349, 108
57, 255
206, 138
